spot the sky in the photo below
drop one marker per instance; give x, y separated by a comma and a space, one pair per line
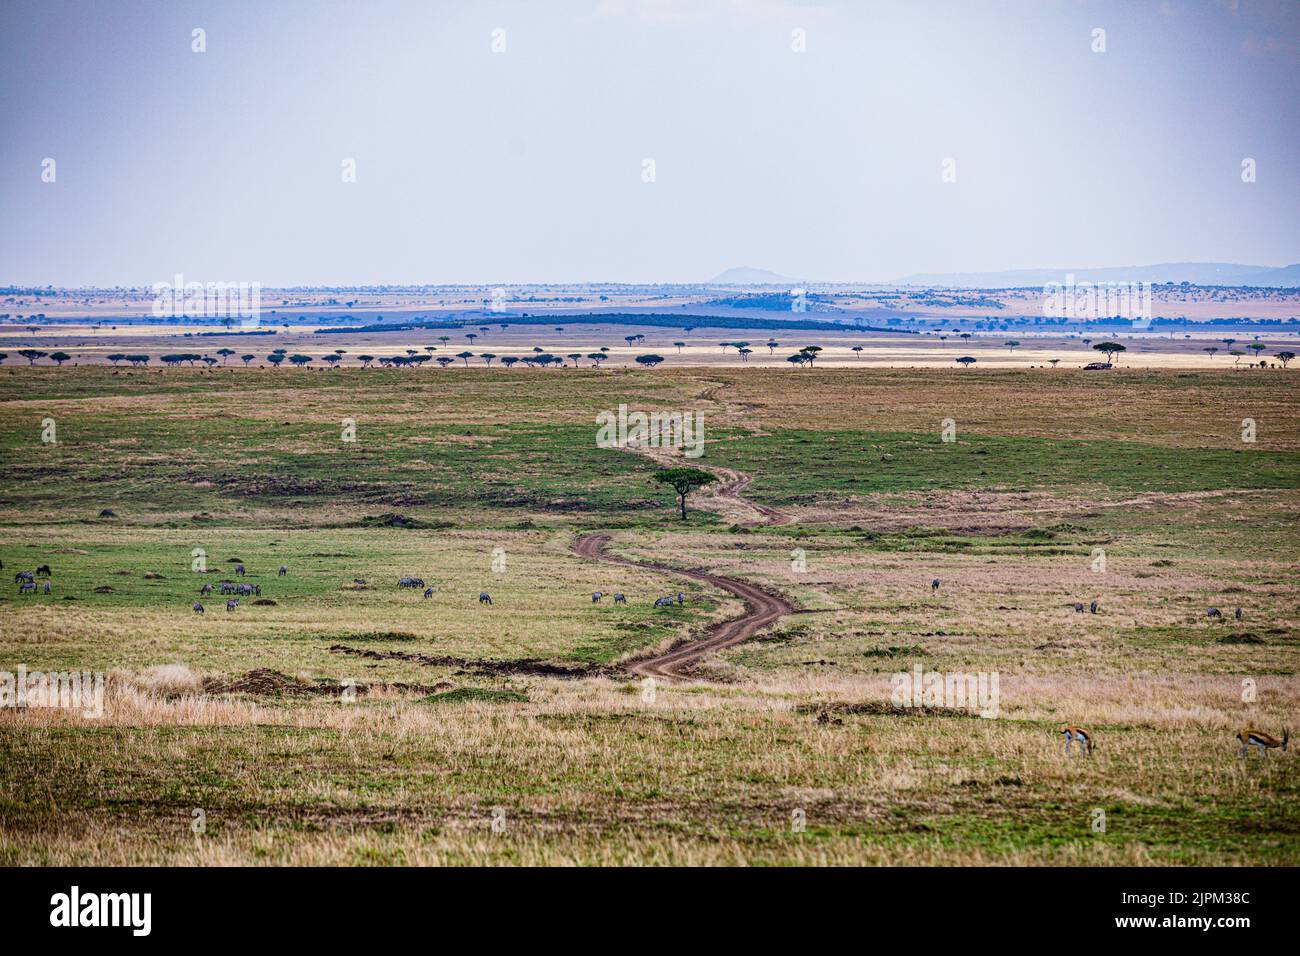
640, 140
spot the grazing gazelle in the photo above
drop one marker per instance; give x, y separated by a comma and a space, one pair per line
1257, 738
1073, 733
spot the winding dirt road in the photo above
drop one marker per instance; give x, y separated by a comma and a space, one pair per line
761, 609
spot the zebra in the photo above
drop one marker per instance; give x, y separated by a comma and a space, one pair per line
284, 569
664, 601
1093, 608
43, 571
47, 587
358, 580
410, 582
1214, 612
1237, 614
934, 585
428, 593
484, 597
198, 608
257, 589
205, 590
232, 604
1078, 607
22, 576
27, 586
618, 598
681, 598
239, 569
596, 596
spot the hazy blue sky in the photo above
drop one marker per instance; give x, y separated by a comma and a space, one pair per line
527, 165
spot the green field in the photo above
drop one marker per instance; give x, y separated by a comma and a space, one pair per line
523, 711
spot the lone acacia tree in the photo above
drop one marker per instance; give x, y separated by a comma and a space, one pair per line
684, 481
1111, 349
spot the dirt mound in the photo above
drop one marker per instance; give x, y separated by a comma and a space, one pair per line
263, 682
104, 589
265, 602
880, 708
1244, 638
522, 666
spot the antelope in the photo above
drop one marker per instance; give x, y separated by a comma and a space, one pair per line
1072, 733
198, 608
484, 597
1257, 738
43, 571
618, 598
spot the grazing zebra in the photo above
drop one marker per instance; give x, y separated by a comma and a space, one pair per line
1078, 607
1237, 614
484, 597
934, 585
26, 586
358, 580
43, 571
664, 602
410, 582
1214, 612
681, 598
596, 596
1074, 733
618, 598
232, 604
206, 589
428, 593
1258, 739
239, 569
284, 569
22, 576
198, 608
1093, 608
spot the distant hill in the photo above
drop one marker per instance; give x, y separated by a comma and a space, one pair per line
1197, 273
744, 275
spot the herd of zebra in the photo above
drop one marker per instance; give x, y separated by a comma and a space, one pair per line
417, 583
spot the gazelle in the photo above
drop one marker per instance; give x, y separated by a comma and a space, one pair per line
1073, 733
1257, 738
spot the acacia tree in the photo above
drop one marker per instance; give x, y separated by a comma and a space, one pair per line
649, 361
32, 355
1285, 357
684, 481
966, 361
1212, 349
1110, 350
58, 358
300, 360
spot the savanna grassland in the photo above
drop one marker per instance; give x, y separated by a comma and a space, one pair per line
349, 721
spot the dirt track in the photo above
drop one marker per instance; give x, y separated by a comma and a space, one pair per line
761, 609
